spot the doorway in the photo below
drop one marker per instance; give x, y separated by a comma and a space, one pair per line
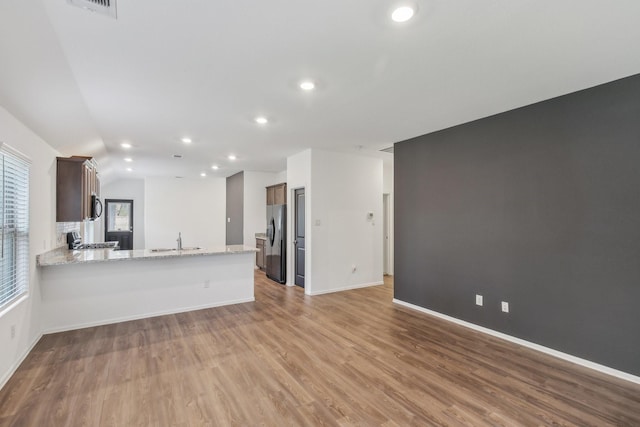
299, 236
119, 222
386, 244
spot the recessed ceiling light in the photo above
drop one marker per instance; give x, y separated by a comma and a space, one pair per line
214, 167
186, 140
129, 170
402, 14
125, 145
128, 159
202, 174
232, 157
262, 120
307, 85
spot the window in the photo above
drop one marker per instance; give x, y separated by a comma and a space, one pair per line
14, 222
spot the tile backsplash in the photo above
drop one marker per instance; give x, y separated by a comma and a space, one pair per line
62, 228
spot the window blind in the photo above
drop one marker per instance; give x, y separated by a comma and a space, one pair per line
14, 219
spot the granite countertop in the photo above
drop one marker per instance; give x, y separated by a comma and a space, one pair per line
64, 256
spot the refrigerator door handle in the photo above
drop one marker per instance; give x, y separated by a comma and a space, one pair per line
272, 233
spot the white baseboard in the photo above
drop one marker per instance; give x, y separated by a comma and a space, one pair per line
143, 316
7, 375
346, 288
560, 355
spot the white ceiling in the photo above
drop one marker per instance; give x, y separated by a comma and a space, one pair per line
205, 69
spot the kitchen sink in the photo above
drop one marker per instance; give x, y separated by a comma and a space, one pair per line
194, 248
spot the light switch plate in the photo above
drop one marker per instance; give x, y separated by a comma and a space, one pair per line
479, 300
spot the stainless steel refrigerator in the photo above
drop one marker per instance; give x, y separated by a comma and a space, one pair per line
275, 246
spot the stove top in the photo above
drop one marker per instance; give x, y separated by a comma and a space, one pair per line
101, 245
75, 242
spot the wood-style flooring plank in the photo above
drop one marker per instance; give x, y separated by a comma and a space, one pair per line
345, 359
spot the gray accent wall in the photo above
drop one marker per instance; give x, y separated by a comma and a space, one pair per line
235, 209
538, 206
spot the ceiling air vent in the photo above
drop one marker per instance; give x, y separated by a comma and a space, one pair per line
103, 7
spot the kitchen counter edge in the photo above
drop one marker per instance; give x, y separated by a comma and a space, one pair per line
64, 256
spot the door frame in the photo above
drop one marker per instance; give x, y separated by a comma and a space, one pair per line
295, 228
291, 236
387, 234
106, 216
386, 253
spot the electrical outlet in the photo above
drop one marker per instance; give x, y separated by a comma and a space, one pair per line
13, 331
479, 300
207, 284
505, 306
353, 268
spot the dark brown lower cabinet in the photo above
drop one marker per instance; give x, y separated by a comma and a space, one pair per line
260, 255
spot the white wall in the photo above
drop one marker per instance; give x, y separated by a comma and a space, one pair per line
255, 203
195, 207
281, 177
345, 188
132, 189
298, 176
25, 315
340, 189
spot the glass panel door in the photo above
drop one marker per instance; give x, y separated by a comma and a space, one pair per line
119, 222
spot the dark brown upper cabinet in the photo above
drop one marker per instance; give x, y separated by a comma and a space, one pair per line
76, 181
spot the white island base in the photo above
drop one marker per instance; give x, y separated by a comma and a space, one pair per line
81, 294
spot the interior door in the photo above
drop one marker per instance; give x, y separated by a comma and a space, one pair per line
298, 241
119, 222
385, 230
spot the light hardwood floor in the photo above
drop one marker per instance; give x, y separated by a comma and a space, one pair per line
349, 358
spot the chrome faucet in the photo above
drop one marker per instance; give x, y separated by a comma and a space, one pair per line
179, 240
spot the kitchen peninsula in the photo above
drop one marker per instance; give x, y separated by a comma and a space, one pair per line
82, 288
